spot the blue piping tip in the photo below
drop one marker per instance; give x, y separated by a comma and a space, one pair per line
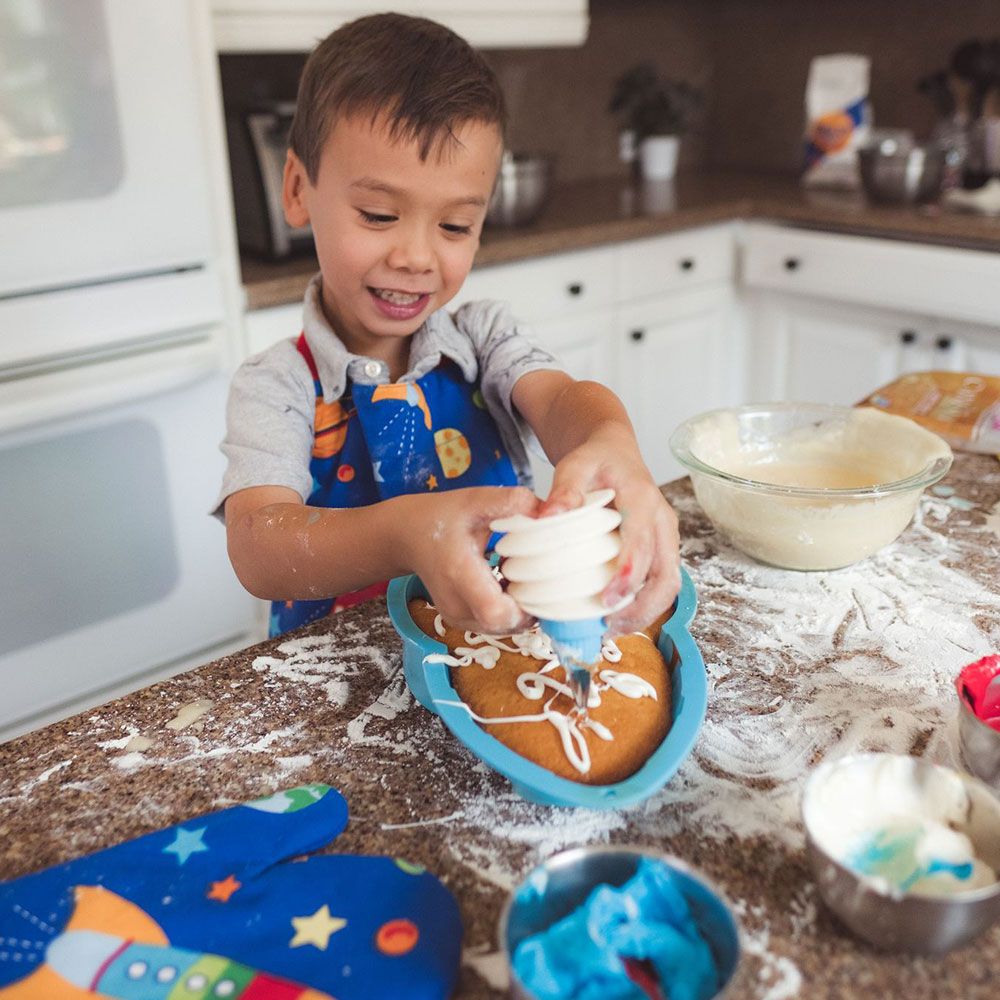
576, 642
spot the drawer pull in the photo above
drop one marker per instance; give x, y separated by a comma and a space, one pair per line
575, 289
792, 263
908, 337
944, 343
638, 335
687, 264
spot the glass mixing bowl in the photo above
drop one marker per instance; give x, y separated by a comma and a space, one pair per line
809, 486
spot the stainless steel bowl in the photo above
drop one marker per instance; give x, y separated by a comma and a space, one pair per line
556, 887
521, 190
980, 745
911, 922
894, 174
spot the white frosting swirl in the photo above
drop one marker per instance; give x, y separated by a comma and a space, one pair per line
558, 566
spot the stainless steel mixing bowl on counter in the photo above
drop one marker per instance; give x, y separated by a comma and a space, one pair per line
900, 173
522, 189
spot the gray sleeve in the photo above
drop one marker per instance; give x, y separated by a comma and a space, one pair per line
269, 424
506, 350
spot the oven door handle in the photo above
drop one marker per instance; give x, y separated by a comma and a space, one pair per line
31, 400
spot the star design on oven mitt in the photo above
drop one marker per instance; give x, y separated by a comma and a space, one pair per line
228, 905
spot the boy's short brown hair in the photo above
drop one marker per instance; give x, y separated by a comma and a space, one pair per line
417, 73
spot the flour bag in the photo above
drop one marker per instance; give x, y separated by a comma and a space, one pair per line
838, 119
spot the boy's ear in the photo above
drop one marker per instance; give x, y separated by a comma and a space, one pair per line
293, 189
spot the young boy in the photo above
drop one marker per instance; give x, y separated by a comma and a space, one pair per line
389, 434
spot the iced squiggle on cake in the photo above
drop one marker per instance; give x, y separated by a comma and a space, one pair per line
534, 685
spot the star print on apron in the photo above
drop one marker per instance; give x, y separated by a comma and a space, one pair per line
382, 441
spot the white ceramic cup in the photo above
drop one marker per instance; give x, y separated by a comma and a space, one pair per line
658, 156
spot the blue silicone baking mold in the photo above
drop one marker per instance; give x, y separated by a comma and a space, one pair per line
431, 686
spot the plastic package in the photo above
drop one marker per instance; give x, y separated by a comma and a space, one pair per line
838, 119
962, 407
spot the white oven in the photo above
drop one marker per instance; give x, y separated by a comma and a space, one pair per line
113, 352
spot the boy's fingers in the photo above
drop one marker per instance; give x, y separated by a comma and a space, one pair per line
488, 608
662, 584
502, 501
570, 482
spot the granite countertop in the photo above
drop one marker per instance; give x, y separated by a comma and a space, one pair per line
608, 210
801, 666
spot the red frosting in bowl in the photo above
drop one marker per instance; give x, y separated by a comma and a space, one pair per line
972, 683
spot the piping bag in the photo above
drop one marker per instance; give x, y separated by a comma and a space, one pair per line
556, 568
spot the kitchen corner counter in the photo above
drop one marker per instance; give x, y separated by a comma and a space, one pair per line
590, 213
802, 667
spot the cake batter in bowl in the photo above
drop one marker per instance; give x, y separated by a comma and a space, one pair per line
809, 486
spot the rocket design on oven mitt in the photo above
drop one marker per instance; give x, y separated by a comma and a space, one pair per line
226, 906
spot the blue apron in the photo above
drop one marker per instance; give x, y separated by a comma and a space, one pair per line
382, 441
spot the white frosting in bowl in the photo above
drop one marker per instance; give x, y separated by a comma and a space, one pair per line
901, 824
806, 486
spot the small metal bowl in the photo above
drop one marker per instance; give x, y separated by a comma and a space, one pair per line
898, 175
521, 190
979, 743
912, 922
558, 886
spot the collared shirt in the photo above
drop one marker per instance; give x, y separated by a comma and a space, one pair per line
272, 398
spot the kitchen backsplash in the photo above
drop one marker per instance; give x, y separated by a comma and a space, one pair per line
750, 57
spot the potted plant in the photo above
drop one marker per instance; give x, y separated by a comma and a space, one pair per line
654, 112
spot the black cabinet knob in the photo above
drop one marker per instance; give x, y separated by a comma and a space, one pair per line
908, 337
575, 289
687, 264
944, 343
792, 263
638, 335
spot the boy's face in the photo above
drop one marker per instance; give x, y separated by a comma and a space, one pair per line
395, 235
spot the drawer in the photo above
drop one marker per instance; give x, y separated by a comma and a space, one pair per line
890, 274
675, 262
546, 287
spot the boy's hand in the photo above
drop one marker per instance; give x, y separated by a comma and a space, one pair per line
649, 562
445, 536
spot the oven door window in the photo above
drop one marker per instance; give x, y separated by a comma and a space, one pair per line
60, 138
87, 529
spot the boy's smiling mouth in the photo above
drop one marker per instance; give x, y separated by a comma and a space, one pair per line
396, 304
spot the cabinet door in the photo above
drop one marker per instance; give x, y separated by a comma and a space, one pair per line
818, 351
264, 327
585, 347
966, 348
680, 354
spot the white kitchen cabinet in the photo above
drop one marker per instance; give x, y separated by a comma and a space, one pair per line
834, 317
679, 355
959, 285
264, 327
297, 25
585, 346
965, 347
818, 351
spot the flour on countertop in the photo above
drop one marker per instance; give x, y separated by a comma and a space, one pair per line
993, 520
802, 666
780, 978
